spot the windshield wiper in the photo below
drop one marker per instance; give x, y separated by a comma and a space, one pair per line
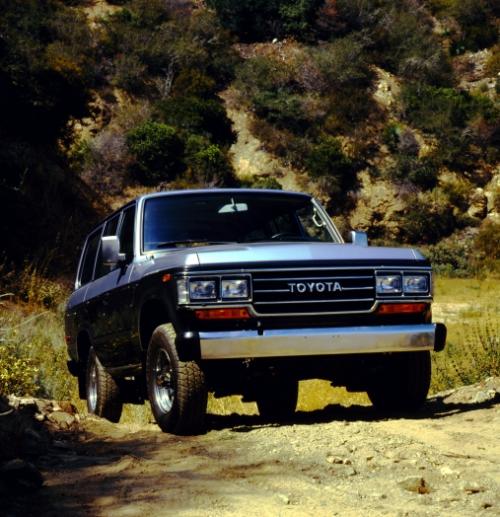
187, 242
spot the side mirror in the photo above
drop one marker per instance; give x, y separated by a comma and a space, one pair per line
359, 238
110, 247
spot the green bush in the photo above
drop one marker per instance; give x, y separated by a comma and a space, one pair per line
451, 256
264, 182
487, 244
422, 172
327, 159
158, 152
199, 116
282, 109
265, 74
426, 219
209, 164
47, 69
254, 20
434, 109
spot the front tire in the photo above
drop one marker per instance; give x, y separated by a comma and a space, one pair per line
176, 389
403, 383
277, 397
102, 391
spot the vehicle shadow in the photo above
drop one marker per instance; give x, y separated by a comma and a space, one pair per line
435, 407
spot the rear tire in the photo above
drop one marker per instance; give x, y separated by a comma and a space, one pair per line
102, 391
176, 389
277, 397
403, 383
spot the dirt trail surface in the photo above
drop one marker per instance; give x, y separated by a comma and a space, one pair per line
338, 461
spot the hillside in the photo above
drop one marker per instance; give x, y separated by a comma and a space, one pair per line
389, 114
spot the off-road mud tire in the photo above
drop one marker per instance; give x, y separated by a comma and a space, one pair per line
102, 390
403, 382
179, 405
277, 397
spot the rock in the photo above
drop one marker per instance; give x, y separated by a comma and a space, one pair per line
62, 419
283, 498
473, 488
447, 471
20, 476
415, 484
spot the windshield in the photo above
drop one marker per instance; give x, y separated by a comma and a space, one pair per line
206, 218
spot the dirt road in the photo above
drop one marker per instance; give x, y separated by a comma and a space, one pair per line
338, 461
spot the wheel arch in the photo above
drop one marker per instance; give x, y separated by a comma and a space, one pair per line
153, 313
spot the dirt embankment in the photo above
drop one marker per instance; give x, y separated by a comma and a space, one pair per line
338, 461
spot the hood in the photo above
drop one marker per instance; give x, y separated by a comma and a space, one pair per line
300, 252
275, 254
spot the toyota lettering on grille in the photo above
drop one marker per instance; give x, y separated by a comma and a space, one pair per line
314, 287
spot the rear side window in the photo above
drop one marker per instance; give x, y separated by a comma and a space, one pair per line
89, 257
127, 233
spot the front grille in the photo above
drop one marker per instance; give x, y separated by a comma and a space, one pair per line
313, 291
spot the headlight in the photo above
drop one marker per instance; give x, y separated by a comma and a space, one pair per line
389, 284
202, 289
234, 288
415, 284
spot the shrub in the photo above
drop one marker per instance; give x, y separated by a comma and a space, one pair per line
47, 69
158, 152
264, 182
477, 24
427, 218
209, 164
436, 109
255, 20
343, 63
282, 109
487, 244
422, 172
493, 63
327, 159
451, 256
198, 116
260, 74
474, 357
33, 356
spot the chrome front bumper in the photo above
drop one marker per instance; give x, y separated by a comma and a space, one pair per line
321, 341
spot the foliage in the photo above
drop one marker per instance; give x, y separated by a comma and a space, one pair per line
255, 20
198, 116
46, 48
33, 356
422, 172
158, 152
427, 218
451, 256
328, 159
208, 163
164, 45
487, 244
474, 27
472, 357
493, 63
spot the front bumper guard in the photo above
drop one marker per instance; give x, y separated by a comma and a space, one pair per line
322, 341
